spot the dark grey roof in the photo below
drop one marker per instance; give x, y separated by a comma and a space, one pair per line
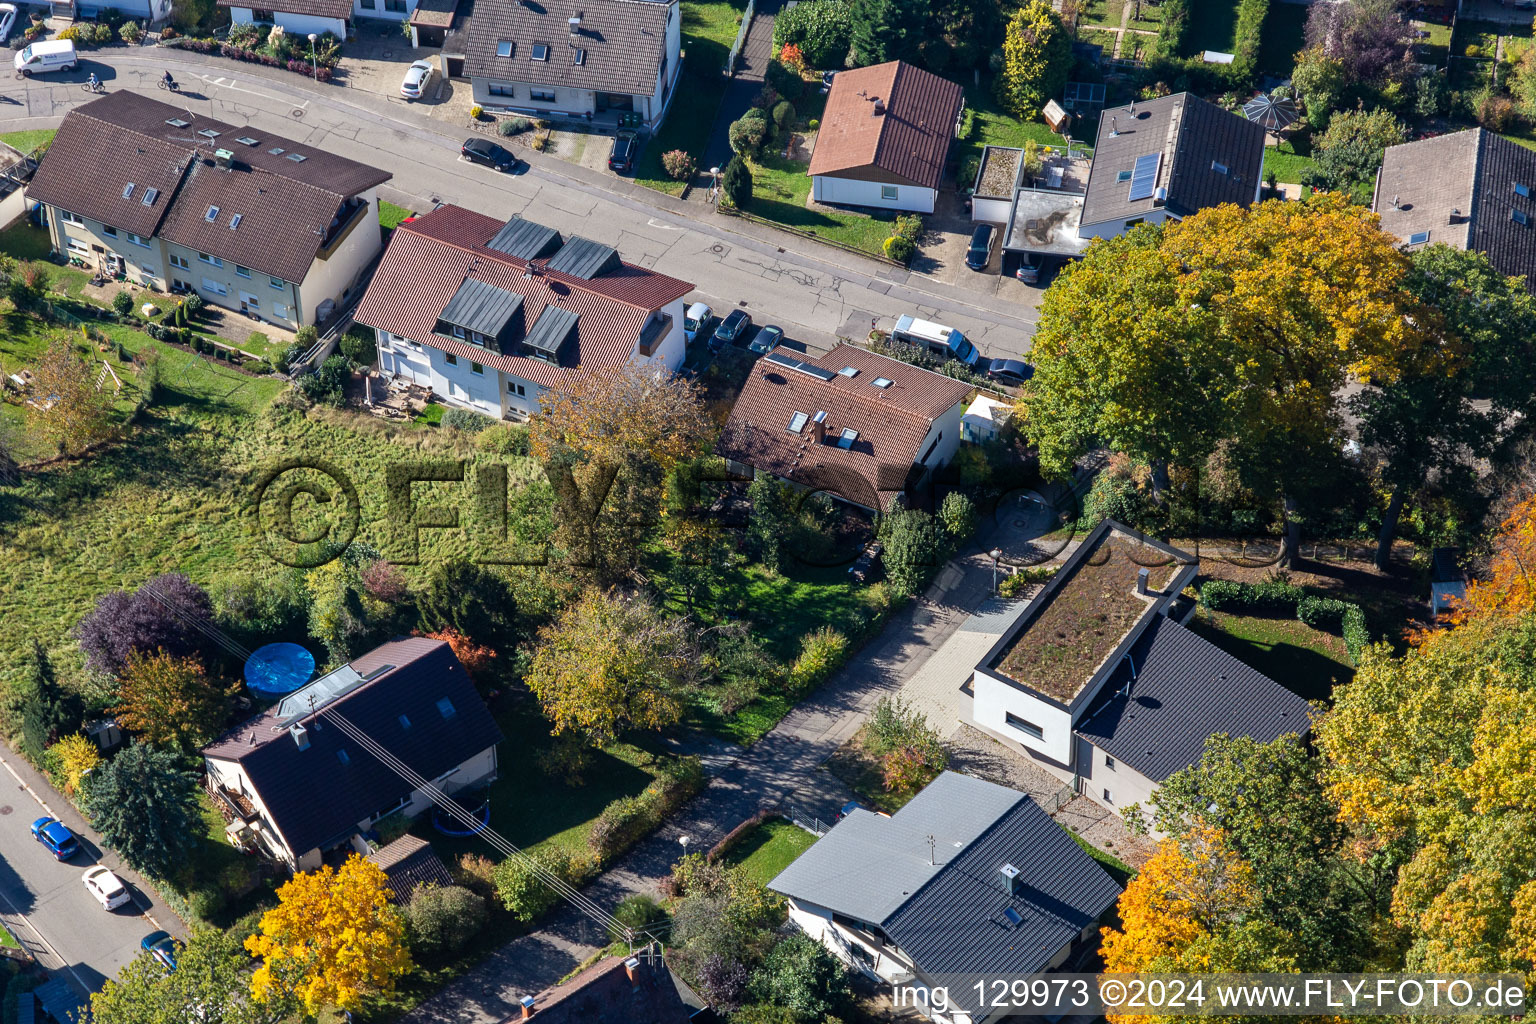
1445, 566
868, 865
957, 923
1460, 189
525, 239
584, 258
1185, 690
482, 307
1193, 137
551, 330
311, 795
624, 43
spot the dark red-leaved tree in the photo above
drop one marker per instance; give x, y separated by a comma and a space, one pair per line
1369, 37
165, 613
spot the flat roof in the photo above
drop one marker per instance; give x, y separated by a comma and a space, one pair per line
1045, 222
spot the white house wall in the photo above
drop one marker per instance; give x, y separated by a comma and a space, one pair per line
1124, 784
995, 699
1116, 228
231, 776
826, 188
946, 431
332, 278
378, 11
300, 25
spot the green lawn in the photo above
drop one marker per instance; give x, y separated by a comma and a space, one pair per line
686, 128
25, 242
27, 141
1437, 47
1306, 661
431, 415
1098, 38
990, 125
1284, 37
1286, 163
779, 191
709, 31
391, 215
1102, 12
769, 849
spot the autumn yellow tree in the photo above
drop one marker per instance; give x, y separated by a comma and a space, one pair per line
607, 438
74, 756
172, 701
77, 414
611, 662
332, 939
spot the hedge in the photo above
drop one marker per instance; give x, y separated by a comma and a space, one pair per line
631, 818
1323, 612
1275, 594
1357, 637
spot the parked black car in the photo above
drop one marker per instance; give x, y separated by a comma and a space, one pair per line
484, 151
622, 156
768, 338
731, 330
1012, 372
980, 253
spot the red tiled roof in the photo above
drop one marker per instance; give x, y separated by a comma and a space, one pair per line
906, 144
430, 257
891, 422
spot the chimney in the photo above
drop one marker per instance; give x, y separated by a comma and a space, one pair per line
527, 1004
1141, 581
575, 24
879, 106
223, 158
300, 736
1113, 131
632, 968
819, 426
1010, 876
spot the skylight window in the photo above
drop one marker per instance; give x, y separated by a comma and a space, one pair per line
150, 195
208, 133
847, 437
504, 48
1519, 217
248, 141
1218, 167
540, 51
1418, 238
848, 371
1123, 176
176, 122
1522, 190
343, 757
212, 214
128, 191
580, 58
1012, 916
797, 422
277, 151
297, 158
445, 708
405, 723
881, 382
234, 221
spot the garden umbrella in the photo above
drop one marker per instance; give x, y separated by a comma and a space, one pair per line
1276, 115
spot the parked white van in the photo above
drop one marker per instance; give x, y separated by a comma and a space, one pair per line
47, 55
941, 341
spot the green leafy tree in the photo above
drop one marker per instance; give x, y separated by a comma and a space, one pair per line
1347, 155
1037, 57
913, 549
748, 133
522, 888
144, 804
210, 986
800, 975
48, 710
736, 182
471, 599
958, 514
359, 345
1319, 84
822, 29
886, 30
1426, 423
443, 918
772, 522
173, 702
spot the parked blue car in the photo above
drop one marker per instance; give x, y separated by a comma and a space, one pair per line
162, 947
57, 837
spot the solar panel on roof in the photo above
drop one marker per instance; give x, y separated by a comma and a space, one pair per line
1144, 176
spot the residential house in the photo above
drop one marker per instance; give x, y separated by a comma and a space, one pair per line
250, 221
142, 11
1447, 581
637, 989
492, 313
604, 62
408, 864
1169, 158
1471, 190
968, 880
1097, 682
301, 18
884, 137
855, 425
295, 783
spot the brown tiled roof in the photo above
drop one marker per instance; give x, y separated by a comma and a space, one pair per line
314, 8
606, 994
624, 40
1192, 136
123, 138
408, 863
906, 144
891, 422
1460, 189
430, 257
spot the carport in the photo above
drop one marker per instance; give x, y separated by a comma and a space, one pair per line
430, 22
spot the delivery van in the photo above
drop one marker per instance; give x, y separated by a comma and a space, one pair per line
47, 55
944, 342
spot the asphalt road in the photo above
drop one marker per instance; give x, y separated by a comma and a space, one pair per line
816, 293
43, 901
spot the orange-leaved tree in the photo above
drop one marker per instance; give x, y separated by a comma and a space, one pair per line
172, 701
476, 658
332, 938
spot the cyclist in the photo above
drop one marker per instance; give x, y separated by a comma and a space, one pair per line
93, 82
168, 81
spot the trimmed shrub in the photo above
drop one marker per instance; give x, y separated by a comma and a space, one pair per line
1275, 594
122, 303
306, 335
520, 888
748, 133
783, 113
899, 249
630, 818
786, 82
507, 129
442, 919
1323, 612
678, 164
466, 420
130, 32
1357, 636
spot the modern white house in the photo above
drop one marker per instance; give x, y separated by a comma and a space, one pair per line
860, 427
293, 785
884, 137
250, 221
1098, 682
968, 880
141, 11
604, 62
300, 18
490, 314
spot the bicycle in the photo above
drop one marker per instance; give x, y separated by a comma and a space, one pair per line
93, 87
173, 86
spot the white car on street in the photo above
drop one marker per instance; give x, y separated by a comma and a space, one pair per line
108, 889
